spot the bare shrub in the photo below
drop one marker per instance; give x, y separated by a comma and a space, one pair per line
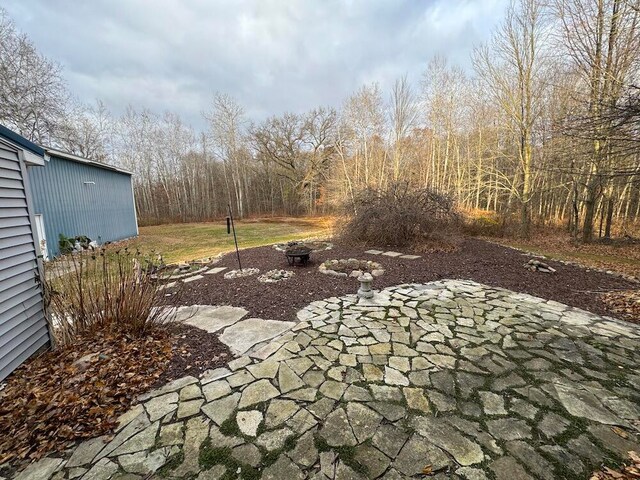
104, 290
401, 216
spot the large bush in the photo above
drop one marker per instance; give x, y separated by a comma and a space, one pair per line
401, 216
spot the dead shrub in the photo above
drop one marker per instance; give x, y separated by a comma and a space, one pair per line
104, 291
402, 216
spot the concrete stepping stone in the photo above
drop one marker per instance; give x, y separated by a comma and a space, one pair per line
410, 257
215, 270
392, 254
208, 317
373, 252
193, 279
243, 335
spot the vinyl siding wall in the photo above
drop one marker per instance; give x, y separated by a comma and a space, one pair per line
23, 328
79, 199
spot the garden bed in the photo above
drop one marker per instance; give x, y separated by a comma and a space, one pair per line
475, 260
78, 392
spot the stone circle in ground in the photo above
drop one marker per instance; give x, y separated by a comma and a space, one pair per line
274, 276
245, 272
465, 380
314, 245
351, 267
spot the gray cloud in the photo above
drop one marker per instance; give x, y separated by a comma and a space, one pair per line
272, 55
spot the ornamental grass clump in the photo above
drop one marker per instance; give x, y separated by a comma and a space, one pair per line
105, 290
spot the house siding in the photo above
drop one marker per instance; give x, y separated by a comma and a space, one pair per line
23, 327
103, 210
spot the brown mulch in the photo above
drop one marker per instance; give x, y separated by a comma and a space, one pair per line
195, 351
475, 259
627, 472
55, 400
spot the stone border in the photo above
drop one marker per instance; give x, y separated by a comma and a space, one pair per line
376, 269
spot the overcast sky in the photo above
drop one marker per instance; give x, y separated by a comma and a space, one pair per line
272, 55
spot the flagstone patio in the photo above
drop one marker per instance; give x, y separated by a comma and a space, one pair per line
453, 379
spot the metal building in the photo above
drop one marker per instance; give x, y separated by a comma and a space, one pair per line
23, 327
75, 196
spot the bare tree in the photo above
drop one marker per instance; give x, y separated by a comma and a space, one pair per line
512, 67
33, 96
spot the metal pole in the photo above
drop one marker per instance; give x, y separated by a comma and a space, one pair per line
235, 238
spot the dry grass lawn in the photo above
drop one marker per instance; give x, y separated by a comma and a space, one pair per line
191, 241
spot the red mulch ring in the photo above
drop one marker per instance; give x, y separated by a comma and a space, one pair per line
475, 259
56, 399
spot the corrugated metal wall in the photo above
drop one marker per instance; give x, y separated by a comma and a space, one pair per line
79, 199
23, 328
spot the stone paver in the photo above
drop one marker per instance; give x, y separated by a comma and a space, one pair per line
471, 381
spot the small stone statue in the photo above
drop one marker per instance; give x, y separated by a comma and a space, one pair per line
365, 286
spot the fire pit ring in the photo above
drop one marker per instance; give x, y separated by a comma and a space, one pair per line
299, 253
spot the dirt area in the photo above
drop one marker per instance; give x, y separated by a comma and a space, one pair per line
477, 260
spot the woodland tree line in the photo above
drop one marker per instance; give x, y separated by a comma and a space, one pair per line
545, 128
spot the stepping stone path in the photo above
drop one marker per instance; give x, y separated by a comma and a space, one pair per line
452, 377
392, 254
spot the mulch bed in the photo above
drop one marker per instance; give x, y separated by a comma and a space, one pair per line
76, 392
195, 351
62, 397
475, 259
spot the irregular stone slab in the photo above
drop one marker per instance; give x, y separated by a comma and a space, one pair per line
249, 421
220, 410
439, 433
141, 441
196, 431
336, 430
173, 386
193, 278
582, 403
280, 411
41, 470
287, 379
372, 458
145, 463
214, 390
492, 403
102, 470
159, 407
247, 333
86, 452
210, 318
389, 439
364, 421
215, 270
417, 454
281, 469
258, 392
275, 439
305, 452
509, 429
506, 468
